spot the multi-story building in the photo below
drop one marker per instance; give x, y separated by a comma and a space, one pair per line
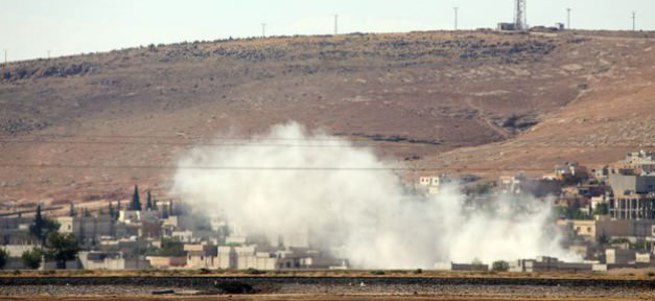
87, 228
633, 196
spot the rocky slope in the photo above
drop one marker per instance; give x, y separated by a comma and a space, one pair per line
475, 102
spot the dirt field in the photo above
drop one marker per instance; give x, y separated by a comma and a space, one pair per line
311, 298
322, 288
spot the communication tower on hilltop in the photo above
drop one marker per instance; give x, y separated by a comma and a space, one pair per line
520, 15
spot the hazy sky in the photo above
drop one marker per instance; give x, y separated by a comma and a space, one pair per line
29, 28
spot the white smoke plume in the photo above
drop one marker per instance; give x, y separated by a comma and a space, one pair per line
292, 179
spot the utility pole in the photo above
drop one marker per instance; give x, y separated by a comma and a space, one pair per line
4, 66
263, 30
48, 54
456, 9
634, 21
568, 18
336, 24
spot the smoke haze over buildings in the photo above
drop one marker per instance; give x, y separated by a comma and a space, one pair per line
293, 179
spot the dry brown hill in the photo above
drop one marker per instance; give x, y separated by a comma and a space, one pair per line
470, 101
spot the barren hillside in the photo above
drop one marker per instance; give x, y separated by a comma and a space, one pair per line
481, 102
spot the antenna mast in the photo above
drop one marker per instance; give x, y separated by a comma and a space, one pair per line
520, 15
4, 66
634, 21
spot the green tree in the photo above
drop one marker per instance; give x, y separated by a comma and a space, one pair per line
149, 201
602, 209
169, 247
500, 266
111, 210
32, 258
42, 226
4, 257
136, 200
573, 212
117, 210
37, 226
62, 247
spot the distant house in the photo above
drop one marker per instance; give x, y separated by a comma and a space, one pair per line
548, 264
15, 230
432, 184
505, 26
94, 260
622, 257
201, 255
87, 228
167, 262
642, 162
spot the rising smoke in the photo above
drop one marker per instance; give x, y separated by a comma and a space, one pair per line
292, 179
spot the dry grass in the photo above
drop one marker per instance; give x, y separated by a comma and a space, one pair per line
453, 87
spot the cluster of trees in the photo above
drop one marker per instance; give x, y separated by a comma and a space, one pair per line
64, 247
169, 247
52, 244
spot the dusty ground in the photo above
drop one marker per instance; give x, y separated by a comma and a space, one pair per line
313, 298
331, 288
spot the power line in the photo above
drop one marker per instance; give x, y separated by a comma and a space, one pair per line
244, 144
312, 142
335, 137
272, 168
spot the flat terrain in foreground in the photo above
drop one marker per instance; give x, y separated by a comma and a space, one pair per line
385, 287
314, 297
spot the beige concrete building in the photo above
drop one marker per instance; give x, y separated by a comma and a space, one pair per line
201, 255
87, 227
110, 261
166, 262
